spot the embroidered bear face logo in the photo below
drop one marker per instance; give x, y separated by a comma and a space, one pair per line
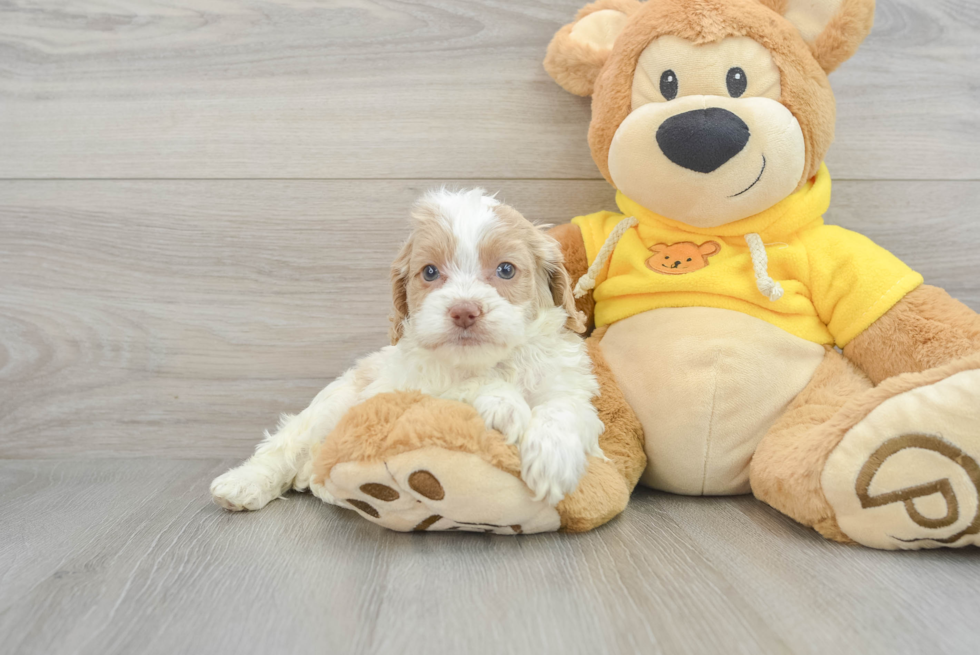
680, 258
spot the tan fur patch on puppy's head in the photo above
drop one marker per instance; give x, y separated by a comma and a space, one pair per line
541, 253
467, 247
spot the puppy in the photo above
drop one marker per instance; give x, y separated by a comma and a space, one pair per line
483, 313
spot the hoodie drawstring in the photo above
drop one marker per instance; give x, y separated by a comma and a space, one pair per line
587, 282
757, 250
760, 263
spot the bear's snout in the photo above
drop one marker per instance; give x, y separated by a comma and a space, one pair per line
702, 140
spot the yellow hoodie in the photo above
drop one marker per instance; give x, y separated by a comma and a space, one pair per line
835, 282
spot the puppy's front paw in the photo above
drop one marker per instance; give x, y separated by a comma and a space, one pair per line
323, 494
551, 463
245, 487
508, 414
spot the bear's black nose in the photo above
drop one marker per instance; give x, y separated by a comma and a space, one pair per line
703, 139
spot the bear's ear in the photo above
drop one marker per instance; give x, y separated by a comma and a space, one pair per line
657, 248
832, 28
579, 50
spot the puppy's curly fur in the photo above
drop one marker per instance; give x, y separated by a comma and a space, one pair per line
483, 313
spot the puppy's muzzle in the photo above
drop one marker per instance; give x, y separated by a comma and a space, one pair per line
465, 314
702, 140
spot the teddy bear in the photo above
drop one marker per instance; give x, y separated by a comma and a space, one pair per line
790, 359
808, 365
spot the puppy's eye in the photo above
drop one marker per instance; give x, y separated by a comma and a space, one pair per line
736, 82
506, 271
430, 273
668, 85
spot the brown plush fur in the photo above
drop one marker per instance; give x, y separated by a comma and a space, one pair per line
393, 423
805, 90
788, 464
574, 65
844, 33
625, 6
927, 328
602, 494
778, 6
622, 441
606, 487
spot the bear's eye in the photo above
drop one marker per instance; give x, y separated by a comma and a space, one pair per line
430, 273
667, 257
688, 259
506, 271
668, 85
736, 82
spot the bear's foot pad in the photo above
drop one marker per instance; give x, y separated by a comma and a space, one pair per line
435, 489
907, 475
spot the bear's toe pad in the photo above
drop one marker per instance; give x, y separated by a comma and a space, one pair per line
435, 488
907, 475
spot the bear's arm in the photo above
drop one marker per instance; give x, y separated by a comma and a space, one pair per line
569, 236
925, 329
852, 280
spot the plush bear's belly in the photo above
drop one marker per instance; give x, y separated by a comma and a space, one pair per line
706, 384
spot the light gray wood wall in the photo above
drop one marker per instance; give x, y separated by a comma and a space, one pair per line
199, 200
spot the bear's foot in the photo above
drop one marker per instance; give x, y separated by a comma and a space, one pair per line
408, 461
907, 474
432, 488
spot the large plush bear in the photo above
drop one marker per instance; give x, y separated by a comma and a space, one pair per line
742, 345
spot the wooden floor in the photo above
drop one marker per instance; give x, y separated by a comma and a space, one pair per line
129, 556
199, 202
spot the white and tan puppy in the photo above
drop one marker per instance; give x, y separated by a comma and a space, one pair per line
482, 311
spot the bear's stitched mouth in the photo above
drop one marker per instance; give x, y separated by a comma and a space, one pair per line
756, 179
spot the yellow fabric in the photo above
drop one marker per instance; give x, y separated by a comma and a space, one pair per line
836, 282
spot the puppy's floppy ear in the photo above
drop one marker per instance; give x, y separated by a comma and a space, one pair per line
551, 262
400, 273
580, 49
832, 28
563, 296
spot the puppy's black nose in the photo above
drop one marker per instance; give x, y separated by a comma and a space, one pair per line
703, 139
